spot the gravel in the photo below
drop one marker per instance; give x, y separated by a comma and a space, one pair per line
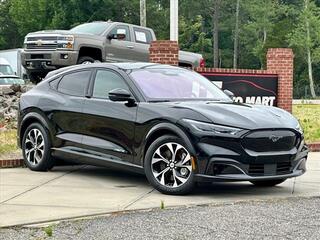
296, 218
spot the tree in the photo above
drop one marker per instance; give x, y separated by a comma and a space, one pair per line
261, 20
305, 37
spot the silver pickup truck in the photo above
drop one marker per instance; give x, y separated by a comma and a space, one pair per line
91, 42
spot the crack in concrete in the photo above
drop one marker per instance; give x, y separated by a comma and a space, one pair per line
38, 186
137, 199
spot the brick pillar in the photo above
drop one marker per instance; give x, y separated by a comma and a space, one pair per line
164, 52
280, 60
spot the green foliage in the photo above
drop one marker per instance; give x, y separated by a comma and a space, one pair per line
262, 25
48, 230
161, 204
308, 116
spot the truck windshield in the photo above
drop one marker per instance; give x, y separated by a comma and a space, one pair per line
6, 70
176, 84
95, 28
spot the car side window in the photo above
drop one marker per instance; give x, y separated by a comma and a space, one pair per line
74, 84
142, 35
123, 30
105, 81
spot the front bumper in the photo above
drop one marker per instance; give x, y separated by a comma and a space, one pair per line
222, 159
40, 61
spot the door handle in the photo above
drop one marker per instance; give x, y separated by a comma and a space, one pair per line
130, 47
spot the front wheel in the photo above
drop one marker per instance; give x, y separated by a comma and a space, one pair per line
36, 148
267, 183
168, 166
87, 60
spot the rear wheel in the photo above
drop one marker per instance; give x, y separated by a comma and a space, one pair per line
168, 166
268, 183
36, 147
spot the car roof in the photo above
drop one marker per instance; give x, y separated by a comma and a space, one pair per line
4, 61
126, 66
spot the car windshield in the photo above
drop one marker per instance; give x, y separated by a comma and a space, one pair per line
176, 83
95, 28
6, 70
10, 81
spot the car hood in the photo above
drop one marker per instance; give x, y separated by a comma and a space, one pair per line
242, 115
60, 32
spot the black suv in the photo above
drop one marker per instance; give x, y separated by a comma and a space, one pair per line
170, 123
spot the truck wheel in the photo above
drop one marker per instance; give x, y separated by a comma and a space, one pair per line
35, 77
85, 60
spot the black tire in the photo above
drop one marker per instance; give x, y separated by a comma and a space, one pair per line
35, 78
46, 162
268, 183
84, 59
185, 187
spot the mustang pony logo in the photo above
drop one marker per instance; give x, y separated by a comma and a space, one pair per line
274, 138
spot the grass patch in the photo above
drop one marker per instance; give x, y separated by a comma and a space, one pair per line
8, 141
309, 118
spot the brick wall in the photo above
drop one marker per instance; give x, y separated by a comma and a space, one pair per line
280, 60
164, 51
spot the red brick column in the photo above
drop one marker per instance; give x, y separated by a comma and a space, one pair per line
280, 60
164, 52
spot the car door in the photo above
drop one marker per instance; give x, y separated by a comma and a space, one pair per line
119, 50
109, 126
64, 106
142, 39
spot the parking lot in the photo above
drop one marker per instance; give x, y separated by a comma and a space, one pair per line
76, 191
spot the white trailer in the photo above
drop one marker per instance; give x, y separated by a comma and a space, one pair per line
13, 56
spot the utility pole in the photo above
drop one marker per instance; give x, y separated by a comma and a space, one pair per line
143, 13
236, 37
216, 6
174, 34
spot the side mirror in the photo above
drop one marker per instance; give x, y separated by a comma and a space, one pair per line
120, 95
229, 93
120, 35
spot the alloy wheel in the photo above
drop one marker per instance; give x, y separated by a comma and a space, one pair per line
171, 165
34, 146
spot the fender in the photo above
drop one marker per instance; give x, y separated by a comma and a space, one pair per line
173, 128
34, 116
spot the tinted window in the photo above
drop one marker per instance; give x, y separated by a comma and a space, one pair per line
74, 83
105, 82
122, 30
176, 83
142, 35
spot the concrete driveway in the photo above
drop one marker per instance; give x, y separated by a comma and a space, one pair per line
28, 197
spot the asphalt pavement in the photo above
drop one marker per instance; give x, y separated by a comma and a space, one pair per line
292, 218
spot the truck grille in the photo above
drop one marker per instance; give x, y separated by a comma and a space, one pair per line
42, 46
270, 141
43, 38
42, 42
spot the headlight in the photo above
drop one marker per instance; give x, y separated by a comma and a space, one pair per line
65, 42
299, 128
209, 127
